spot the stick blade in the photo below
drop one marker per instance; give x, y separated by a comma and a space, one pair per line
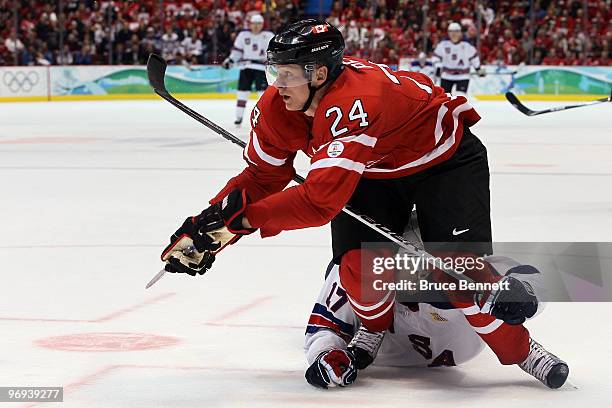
518, 105
509, 96
157, 277
156, 70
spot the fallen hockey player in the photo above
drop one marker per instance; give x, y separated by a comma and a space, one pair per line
431, 334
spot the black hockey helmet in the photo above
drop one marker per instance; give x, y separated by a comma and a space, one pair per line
309, 43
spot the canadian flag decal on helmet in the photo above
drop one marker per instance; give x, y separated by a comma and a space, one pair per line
321, 28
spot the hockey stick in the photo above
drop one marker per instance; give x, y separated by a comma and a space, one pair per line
156, 70
526, 111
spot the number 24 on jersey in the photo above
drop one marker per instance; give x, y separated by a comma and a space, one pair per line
355, 113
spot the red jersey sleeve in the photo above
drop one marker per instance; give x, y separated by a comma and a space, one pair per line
335, 170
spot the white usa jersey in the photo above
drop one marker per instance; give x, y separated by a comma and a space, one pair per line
422, 335
250, 49
455, 59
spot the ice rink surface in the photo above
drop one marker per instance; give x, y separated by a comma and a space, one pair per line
92, 191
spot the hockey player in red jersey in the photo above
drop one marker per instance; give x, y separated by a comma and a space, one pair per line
378, 140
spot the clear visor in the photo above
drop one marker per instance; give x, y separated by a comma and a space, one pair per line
287, 76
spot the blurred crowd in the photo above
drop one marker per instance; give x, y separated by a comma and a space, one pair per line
125, 32
561, 32
572, 32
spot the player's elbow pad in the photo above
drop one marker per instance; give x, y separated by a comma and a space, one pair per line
323, 339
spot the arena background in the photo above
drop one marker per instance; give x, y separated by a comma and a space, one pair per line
76, 50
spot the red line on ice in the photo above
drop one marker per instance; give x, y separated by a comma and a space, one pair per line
241, 309
89, 378
102, 319
137, 306
96, 375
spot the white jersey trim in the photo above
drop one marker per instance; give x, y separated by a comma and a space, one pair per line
439, 132
420, 85
246, 153
377, 315
361, 139
368, 308
489, 328
338, 162
265, 156
438, 151
472, 310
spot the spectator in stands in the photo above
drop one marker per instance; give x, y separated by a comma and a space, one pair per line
65, 58
131, 53
191, 47
84, 56
13, 44
41, 60
537, 57
603, 59
169, 43
551, 58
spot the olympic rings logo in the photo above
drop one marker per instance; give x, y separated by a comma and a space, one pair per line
20, 80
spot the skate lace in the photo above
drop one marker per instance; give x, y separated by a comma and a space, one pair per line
539, 361
367, 340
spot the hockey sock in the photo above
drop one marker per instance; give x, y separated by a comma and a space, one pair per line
241, 103
510, 343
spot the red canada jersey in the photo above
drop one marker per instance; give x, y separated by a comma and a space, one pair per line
372, 122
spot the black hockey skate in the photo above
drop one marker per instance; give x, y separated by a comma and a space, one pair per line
364, 346
545, 366
238, 122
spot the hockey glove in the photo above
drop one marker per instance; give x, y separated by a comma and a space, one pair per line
332, 368
184, 258
227, 63
193, 246
515, 304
